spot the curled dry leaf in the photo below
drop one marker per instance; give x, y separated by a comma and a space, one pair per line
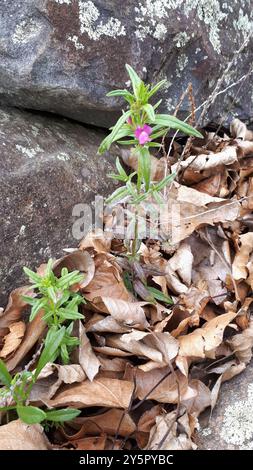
99, 240
179, 269
239, 130
13, 339
20, 436
87, 357
200, 401
109, 423
107, 282
202, 342
14, 308
169, 385
242, 263
33, 331
89, 443
101, 392
166, 434
242, 344
126, 313
203, 162
80, 261
102, 324
145, 424
158, 347
52, 377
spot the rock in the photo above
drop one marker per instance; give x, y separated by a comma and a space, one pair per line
49, 174
231, 425
63, 56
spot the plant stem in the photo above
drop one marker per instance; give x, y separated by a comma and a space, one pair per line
135, 240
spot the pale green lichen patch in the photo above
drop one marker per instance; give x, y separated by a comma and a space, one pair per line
78, 45
181, 39
68, 2
29, 152
62, 156
237, 428
90, 24
181, 64
243, 24
151, 14
25, 30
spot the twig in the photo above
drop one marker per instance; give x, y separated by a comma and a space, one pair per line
127, 410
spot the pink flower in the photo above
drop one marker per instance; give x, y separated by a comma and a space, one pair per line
129, 121
143, 133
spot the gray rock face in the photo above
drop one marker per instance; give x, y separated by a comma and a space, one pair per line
63, 56
49, 177
231, 425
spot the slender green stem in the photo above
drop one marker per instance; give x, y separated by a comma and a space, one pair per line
135, 240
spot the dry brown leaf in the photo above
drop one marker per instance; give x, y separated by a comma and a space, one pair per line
89, 443
13, 339
32, 334
80, 261
108, 351
242, 262
101, 392
107, 282
204, 162
202, 342
102, 324
145, 424
126, 313
87, 358
242, 344
14, 308
166, 426
239, 130
52, 377
17, 435
109, 423
200, 401
179, 269
159, 347
116, 365
99, 240
166, 392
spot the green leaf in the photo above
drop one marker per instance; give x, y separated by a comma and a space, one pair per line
68, 314
64, 354
29, 300
166, 120
52, 342
114, 176
145, 166
148, 108
156, 88
124, 93
59, 416
105, 145
36, 308
128, 142
159, 186
31, 414
49, 267
32, 276
135, 79
5, 376
118, 194
158, 295
120, 168
155, 106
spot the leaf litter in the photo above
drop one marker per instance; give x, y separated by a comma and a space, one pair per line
146, 367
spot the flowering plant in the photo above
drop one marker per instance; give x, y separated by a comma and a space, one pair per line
140, 126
